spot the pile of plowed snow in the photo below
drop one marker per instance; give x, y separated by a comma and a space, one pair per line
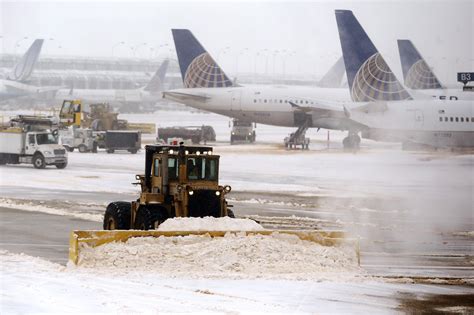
209, 224
275, 256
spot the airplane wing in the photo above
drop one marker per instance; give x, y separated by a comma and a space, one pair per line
181, 96
312, 105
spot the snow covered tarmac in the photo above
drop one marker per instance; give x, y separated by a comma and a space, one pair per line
34, 285
402, 204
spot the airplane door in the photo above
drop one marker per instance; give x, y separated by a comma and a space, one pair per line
419, 118
235, 101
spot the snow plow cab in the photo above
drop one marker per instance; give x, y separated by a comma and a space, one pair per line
179, 181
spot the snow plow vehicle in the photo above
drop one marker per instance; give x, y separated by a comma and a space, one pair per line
179, 182
101, 117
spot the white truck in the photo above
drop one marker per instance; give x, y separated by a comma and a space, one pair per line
39, 148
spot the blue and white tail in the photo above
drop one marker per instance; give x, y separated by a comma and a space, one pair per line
369, 76
156, 82
416, 72
24, 67
198, 68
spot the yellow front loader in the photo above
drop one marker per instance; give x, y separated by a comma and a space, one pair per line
179, 181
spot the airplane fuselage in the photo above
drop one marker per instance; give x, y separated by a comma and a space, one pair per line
434, 123
414, 120
442, 94
267, 105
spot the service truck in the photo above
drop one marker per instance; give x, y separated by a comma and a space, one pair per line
81, 139
242, 131
37, 147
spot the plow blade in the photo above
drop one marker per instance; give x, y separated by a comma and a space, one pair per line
78, 239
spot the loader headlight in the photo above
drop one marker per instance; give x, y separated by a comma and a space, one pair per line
233, 133
191, 192
227, 189
250, 133
218, 193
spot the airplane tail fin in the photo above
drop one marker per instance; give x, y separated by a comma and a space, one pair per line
369, 76
24, 67
198, 68
416, 72
333, 78
156, 82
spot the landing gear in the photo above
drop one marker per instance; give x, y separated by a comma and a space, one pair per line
351, 142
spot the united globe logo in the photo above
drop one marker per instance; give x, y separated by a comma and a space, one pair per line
376, 82
203, 72
421, 77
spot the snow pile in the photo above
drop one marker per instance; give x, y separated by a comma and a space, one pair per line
209, 224
276, 256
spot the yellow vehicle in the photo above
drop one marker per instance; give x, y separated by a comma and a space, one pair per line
179, 181
70, 113
101, 117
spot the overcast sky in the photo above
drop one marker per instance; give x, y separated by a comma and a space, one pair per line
304, 33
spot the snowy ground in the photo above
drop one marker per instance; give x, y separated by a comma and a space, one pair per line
403, 204
32, 285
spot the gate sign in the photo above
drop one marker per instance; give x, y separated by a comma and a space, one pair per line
465, 77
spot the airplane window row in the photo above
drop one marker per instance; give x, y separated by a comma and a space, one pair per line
456, 119
301, 102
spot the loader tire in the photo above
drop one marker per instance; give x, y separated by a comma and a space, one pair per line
149, 219
117, 216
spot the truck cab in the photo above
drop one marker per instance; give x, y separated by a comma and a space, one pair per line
179, 181
242, 131
42, 149
70, 113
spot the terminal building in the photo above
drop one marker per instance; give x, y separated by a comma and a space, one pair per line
93, 73
70, 72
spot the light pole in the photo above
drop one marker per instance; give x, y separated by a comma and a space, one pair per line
289, 54
158, 49
255, 64
17, 43
222, 51
275, 53
115, 46
237, 59
266, 59
135, 48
